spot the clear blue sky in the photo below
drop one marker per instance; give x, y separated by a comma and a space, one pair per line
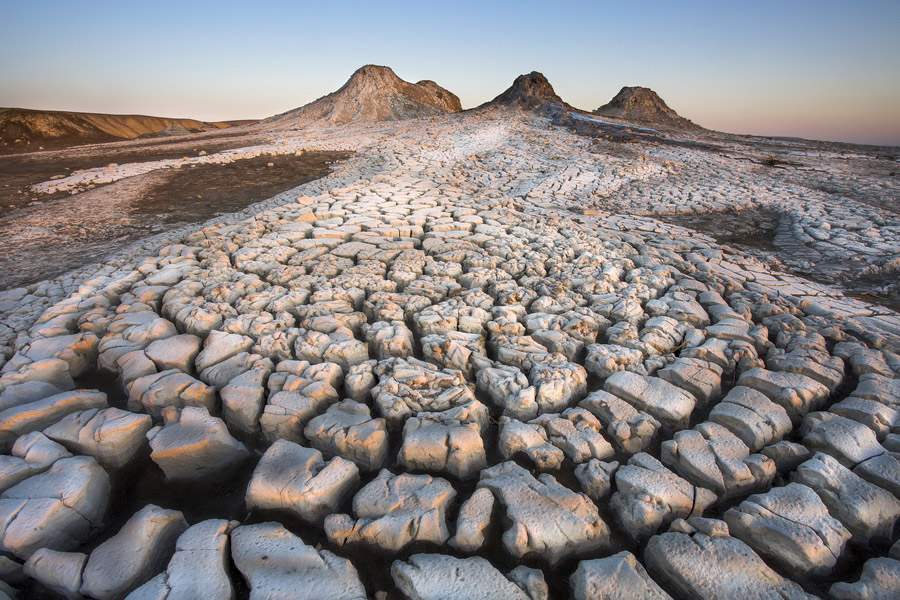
823, 69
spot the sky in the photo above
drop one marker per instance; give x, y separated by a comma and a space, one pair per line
821, 69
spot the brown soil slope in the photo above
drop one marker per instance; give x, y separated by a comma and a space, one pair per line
529, 91
373, 93
643, 105
25, 128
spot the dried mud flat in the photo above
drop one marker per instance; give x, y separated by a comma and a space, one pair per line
59, 232
469, 363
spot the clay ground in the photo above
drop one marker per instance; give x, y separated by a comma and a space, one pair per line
44, 238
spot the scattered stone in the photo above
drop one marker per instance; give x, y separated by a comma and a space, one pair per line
347, 429
700, 378
866, 510
595, 477
176, 352
35, 416
618, 577
880, 580
848, 441
291, 477
630, 429
796, 393
509, 389
198, 569
298, 391
880, 418
155, 392
752, 417
786, 455
395, 510
546, 518
243, 400
58, 509
434, 576
446, 442
649, 496
406, 388
58, 571
474, 520
129, 558
791, 526
730, 569
671, 405
710, 456
113, 436
277, 564
883, 471
32, 453
192, 445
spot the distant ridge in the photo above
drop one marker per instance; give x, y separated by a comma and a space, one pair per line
373, 93
25, 128
643, 105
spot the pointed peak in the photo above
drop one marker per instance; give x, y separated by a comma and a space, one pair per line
373, 93
528, 91
641, 104
374, 72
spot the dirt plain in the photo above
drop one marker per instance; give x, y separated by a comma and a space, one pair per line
45, 237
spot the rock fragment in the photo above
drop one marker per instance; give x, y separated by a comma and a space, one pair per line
595, 477
32, 453
291, 477
347, 429
710, 456
395, 510
791, 526
446, 442
473, 521
434, 576
730, 568
883, 471
192, 445
155, 392
35, 416
631, 430
134, 554
546, 518
277, 564
796, 393
669, 404
618, 577
880, 580
58, 571
848, 441
866, 510
752, 417
57, 509
198, 569
407, 387
111, 435
649, 496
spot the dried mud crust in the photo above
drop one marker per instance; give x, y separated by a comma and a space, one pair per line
71, 231
427, 376
197, 193
19, 171
756, 231
747, 228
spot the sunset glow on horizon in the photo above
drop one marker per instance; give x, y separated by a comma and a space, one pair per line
820, 70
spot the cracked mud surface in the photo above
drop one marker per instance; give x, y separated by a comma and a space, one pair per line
61, 234
484, 353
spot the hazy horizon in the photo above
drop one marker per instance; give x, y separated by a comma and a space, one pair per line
819, 70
